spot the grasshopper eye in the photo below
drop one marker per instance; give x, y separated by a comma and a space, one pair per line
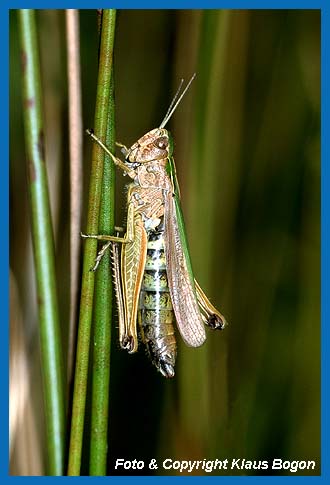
161, 143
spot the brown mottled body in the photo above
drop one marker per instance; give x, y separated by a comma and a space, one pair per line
147, 195
154, 280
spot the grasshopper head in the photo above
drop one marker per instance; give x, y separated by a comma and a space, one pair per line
154, 145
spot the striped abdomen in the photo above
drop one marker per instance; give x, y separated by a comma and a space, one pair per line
156, 314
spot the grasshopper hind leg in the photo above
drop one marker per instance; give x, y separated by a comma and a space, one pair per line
215, 322
210, 315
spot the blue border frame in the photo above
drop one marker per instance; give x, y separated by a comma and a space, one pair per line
179, 4
325, 204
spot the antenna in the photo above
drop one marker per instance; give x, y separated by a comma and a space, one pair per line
175, 101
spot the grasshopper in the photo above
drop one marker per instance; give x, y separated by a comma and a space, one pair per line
153, 277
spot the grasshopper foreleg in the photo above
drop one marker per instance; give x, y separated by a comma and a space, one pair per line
115, 160
123, 148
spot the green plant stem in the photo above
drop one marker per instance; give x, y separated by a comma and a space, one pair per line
103, 314
43, 245
90, 250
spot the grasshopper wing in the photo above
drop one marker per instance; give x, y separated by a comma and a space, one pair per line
180, 277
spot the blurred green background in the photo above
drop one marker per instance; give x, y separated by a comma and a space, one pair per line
247, 150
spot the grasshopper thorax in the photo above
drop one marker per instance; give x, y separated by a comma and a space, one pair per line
154, 145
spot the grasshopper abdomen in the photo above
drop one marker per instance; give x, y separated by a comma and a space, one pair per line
156, 316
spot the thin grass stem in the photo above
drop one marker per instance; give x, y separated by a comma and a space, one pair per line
90, 249
103, 302
43, 244
76, 174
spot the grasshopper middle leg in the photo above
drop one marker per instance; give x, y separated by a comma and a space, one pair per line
128, 238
